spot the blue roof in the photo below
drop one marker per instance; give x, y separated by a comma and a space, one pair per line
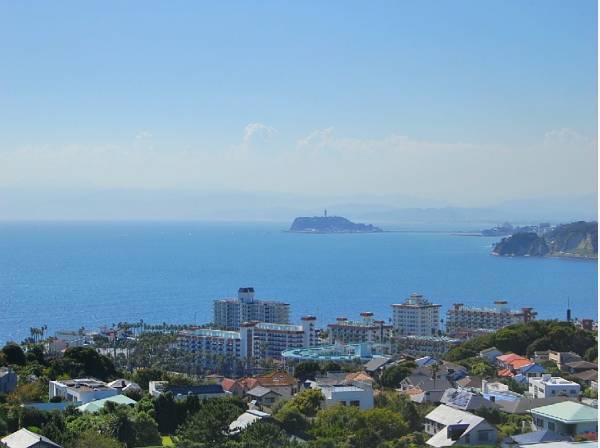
533, 368
203, 389
539, 437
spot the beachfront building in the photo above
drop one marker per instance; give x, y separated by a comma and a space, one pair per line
366, 330
82, 390
336, 352
231, 313
463, 321
417, 346
567, 417
416, 316
259, 340
552, 386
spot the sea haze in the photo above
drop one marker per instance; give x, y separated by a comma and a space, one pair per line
68, 275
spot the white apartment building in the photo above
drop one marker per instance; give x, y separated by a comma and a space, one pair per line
546, 386
359, 395
82, 390
230, 313
464, 321
416, 316
356, 332
260, 340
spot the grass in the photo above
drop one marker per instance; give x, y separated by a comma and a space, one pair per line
167, 441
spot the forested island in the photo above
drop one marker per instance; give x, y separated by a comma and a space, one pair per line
577, 239
330, 224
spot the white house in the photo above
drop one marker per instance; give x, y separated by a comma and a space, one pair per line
355, 393
24, 438
567, 417
552, 386
450, 426
82, 390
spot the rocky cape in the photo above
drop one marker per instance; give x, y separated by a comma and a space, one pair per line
577, 240
330, 224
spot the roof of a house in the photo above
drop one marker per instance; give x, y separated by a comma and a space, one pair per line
489, 350
505, 373
247, 418
470, 381
24, 438
539, 437
122, 383
358, 376
568, 412
376, 363
587, 375
202, 389
464, 400
523, 405
582, 365
260, 391
421, 377
97, 405
520, 363
228, 384
446, 415
509, 357
278, 378
533, 368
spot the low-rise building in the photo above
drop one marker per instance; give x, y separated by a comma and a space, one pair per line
23, 438
367, 330
82, 390
124, 386
461, 320
490, 354
552, 386
450, 427
464, 400
587, 378
246, 419
202, 391
97, 405
263, 396
416, 316
561, 359
417, 346
279, 381
568, 417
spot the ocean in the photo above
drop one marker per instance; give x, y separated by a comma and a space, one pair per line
68, 275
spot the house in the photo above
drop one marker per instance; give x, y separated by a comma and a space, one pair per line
281, 382
490, 354
569, 417
523, 405
97, 405
503, 361
464, 400
8, 380
470, 382
155, 388
551, 386
125, 386
532, 370
358, 376
358, 394
24, 438
580, 366
263, 396
450, 426
232, 387
81, 390
376, 364
424, 379
246, 419
561, 359
529, 438
587, 377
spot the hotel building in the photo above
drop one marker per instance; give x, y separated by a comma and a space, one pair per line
230, 313
462, 321
416, 316
355, 332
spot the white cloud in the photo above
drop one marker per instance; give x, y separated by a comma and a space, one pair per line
256, 130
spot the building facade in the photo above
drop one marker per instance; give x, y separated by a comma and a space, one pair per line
552, 386
82, 390
367, 330
436, 346
462, 321
416, 316
231, 313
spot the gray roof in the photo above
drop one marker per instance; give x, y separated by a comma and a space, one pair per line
260, 391
376, 363
470, 381
523, 405
24, 438
421, 377
539, 437
464, 400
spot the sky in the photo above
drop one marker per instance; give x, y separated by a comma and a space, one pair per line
466, 103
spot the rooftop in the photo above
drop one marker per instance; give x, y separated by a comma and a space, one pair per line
568, 412
209, 332
24, 438
97, 405
349, 352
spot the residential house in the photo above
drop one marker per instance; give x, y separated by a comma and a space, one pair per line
246, 419
356, 394
81, 390
232, 387
551, 386
523, 405
23, 438
569, 417
561, 359
490, 354
263, 396
470, 382
424, 379
529, 438
376, 364
464, 400
279, 381
8, 380
587, 377
450, 426
97, 405
580, 366
202, 391
532, 370
124, 386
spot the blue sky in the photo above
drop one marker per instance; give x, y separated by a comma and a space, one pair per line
138, 87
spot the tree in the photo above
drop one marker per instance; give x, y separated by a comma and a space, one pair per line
292, 419
92, 439
260, 434
83, 362
307, 370
392, 376
146, 430
14, 354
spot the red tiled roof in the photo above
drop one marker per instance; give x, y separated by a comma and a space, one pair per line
505, 373
228, 384
520, 363
509, 357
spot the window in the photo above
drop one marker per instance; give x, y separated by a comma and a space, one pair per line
551, 426
483, 435
355, 403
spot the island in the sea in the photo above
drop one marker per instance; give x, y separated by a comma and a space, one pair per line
330, 224
577, 239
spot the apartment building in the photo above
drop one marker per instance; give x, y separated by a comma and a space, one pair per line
552, 386
436, 346
416, 316
260, 340
231, 313
360, 331
463, 321
81, 390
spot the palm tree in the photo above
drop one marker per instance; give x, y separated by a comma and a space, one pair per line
435, 368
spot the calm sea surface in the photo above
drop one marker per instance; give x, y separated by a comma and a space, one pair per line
68, 275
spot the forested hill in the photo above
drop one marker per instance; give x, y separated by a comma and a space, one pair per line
578, 239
